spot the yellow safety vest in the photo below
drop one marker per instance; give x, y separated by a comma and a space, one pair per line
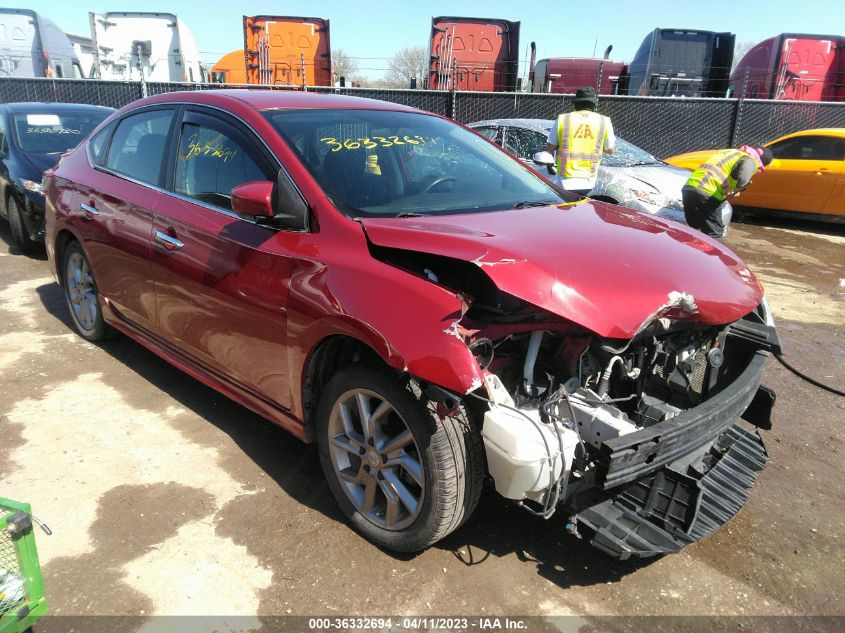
714, 176
580, 143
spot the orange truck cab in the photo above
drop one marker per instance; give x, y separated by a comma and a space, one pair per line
279, 50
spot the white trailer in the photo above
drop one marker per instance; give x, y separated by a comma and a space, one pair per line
150, 46
34, 46
83, 46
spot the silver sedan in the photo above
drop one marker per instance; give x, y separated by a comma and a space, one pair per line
631, 176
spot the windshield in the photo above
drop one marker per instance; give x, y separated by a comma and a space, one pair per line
374, 163
50, 133
628, 155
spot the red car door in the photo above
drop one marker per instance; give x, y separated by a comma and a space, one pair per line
115, 214
221, 281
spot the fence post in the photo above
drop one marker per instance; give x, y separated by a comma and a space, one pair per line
738, 110
143, 87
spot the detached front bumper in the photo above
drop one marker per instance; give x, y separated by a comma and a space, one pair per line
680, 480
667, 510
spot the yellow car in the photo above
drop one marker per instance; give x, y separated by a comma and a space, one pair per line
807, 174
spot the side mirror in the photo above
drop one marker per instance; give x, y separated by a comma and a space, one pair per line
545, 158
253, 198
278, 204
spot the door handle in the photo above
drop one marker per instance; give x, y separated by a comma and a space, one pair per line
169, 242
88, 211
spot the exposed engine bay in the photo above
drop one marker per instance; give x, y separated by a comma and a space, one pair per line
558, 401
620, 435
589, 392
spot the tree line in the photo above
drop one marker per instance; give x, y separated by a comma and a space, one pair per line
409, 63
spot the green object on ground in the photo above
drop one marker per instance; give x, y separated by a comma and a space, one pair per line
22, 601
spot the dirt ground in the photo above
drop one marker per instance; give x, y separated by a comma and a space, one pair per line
166, 498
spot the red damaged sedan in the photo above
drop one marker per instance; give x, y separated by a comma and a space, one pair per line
433, 314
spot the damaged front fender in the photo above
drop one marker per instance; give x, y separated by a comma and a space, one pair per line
409, 321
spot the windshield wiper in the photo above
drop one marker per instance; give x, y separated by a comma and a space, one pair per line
408, 214
533, 203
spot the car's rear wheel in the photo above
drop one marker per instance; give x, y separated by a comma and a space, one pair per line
19, 233
82, 295
403, 477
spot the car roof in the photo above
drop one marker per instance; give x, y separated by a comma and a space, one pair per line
540, 125
35, 107
275, 99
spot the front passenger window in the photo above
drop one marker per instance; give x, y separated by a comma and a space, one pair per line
211, 163
809, 148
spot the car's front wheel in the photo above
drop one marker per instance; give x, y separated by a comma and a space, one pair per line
19, 233
404, 478
81, 293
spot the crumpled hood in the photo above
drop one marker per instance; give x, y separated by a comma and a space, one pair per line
604, 267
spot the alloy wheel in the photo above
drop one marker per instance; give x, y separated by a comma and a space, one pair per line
81, 291
376, 459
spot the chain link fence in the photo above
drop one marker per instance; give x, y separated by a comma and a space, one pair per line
661, 125
759, 120
114, 94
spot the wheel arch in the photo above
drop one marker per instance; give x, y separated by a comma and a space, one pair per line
325, 359
63, 238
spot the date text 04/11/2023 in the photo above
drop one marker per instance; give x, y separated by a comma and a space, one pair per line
423, 623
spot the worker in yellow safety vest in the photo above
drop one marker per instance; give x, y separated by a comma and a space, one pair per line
580, 139
724, 175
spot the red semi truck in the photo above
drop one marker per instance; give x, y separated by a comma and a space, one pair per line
792, 66
565, 75
473, 54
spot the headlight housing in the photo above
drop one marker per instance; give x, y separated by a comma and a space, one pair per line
651, 198
31, 185
766, 312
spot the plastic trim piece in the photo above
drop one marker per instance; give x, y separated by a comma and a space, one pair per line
634, 524
631, 457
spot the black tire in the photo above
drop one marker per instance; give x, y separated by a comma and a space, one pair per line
88, 319
19, 233
449, 451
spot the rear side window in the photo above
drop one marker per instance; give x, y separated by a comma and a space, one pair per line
489, 132
139, 144
97, 145
524, 143
210, 163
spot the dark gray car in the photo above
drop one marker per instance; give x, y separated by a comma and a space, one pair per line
33, 136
